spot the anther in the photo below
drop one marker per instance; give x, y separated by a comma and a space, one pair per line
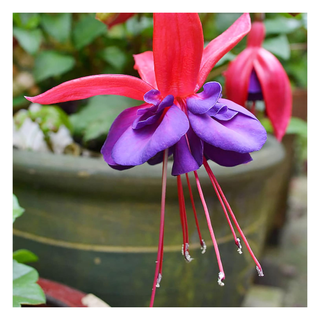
203, 246
239, 246
186, 254
220, 278
260, 271
158, 280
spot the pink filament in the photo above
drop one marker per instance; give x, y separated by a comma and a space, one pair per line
183, 216
214, 241
161, 232
210, 173
215, 182
194, 209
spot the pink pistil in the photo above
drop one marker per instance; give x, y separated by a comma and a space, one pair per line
218, 188
202, 243
158, 275
221, 275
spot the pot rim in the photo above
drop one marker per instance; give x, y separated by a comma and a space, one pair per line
270, 155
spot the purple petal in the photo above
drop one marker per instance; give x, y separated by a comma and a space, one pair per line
241, 134
187, 155
221, 112
120, 168
236, 107
118, 127
150, 115
135, 147
225, 158
158, 158
153, 97
146, 117
196, 146
254, 91
205, 100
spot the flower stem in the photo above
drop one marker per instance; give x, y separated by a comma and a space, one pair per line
158, 275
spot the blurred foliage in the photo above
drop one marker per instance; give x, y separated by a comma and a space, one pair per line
299, 128
25, 290
17, 211
95, 119
50, 48
42, 128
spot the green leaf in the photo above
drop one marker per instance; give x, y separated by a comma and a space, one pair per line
50, 118
226, 58
96, 118
26, 20
298, 126
51, 63
57, 25
281, 25
224, 20
138, 25
24, 256
297, 69
17, 210
86, 30
29, 40
279, 46
267, 124
18, 100
114, 56
25, 288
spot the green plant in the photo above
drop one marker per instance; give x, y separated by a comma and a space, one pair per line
25, 288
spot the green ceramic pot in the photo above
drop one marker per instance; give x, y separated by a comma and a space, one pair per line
96, 229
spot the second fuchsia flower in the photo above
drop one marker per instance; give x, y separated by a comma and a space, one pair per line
175, 119
112, 19
256, 74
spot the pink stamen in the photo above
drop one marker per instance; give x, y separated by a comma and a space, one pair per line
184, 222
158, 275
210, 173
202, 243
259, 268
214, 241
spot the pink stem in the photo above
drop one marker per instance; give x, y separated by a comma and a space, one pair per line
184, 221
161, 232
194, 209
210, 173
181, 200
234, 218
209, 224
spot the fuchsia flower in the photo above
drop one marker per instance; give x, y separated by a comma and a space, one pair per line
256, 74
112, 19
175, 119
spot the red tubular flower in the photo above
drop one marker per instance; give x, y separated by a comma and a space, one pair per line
256, 74
112, 19
175, 119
